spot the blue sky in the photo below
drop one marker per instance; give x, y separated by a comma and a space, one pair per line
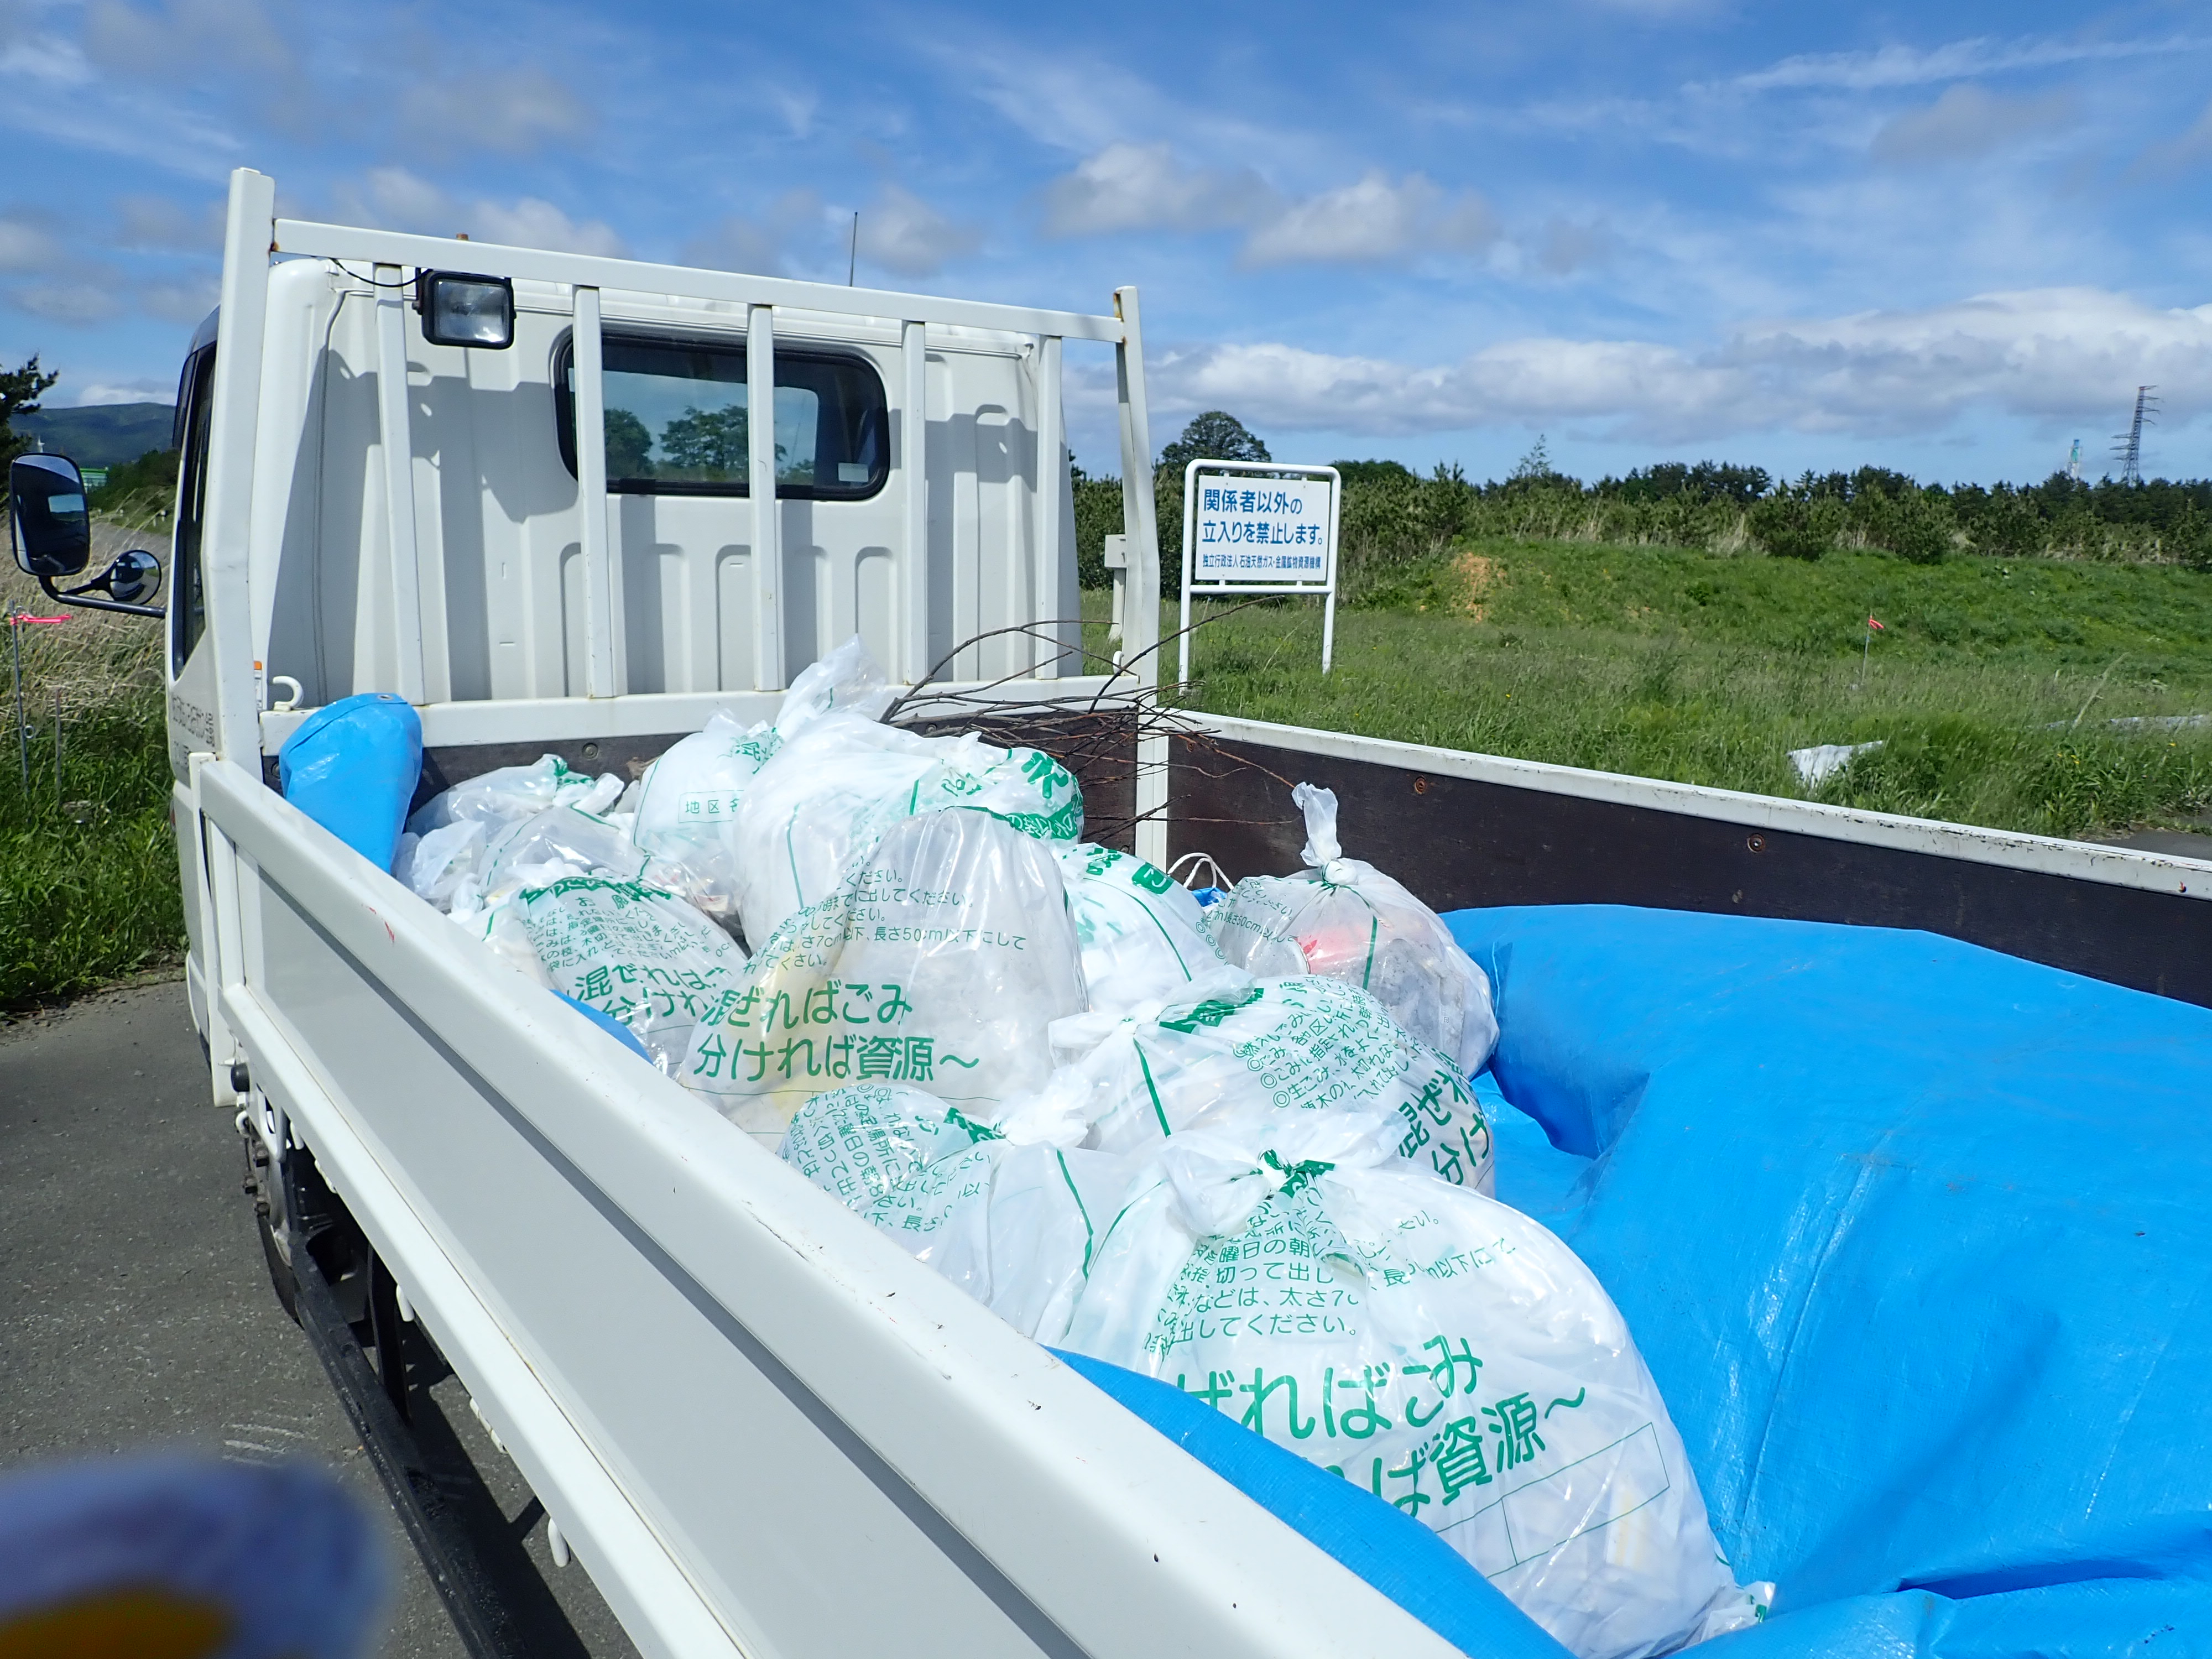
1947, 237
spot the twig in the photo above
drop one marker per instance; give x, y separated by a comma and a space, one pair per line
2098, 687
1095, 735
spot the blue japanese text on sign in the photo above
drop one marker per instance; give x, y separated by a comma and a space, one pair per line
1261, 530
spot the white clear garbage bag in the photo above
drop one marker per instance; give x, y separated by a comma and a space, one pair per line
687, 809
1432, 1346
1143, 937
448, 838
637, 953
941, 963
686, 805
515, 792
1301, 1042
1009, 1211
847, 681
815, 809
1345, 918
579, 842
438, 864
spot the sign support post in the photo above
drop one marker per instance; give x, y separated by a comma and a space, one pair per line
1279, 539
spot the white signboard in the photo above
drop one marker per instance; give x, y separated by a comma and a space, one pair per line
1259, 527
1262, 529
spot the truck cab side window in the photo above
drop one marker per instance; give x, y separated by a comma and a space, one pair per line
187, 589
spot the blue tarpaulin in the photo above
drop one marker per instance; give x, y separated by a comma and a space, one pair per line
1915, 1238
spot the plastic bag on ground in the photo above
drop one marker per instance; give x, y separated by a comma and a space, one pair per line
1304, 1041
1009, 1211
1430, 1346
686, 804
816, 809
1346, 919
940, 962
637, 954
1143, 937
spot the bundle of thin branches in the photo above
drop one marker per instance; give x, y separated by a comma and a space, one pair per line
1095, 731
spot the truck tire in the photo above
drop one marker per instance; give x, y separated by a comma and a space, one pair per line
280, 1272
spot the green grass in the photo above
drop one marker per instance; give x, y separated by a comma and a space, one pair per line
87, 872
87, 884
1990, 686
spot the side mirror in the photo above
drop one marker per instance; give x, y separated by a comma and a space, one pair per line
54, 526
131, 579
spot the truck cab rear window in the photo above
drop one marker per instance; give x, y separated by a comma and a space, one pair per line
677, 424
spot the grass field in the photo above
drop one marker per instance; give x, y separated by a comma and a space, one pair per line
1991, 685
1991, 688
87, 869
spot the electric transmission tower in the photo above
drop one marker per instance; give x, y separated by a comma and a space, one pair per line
2127, 447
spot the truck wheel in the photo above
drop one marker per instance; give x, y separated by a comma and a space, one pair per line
280, 1272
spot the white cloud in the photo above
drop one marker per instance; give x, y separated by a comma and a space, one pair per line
1910, 66
1966, 122
393, 198
160, 225
738, 244
1072, 103
2043, 355
1566, 246
797, 107
158, 40
25, 55
126, 390
513, 112
1662, 9
901, 232
2185, 151
1128, 186
1143, 187
184, 301
27, 246
78, 304
760, 246
1373, 221
529, 223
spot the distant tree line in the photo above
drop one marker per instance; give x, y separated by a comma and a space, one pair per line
1392, 514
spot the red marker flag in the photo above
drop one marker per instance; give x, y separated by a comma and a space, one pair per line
1876, 626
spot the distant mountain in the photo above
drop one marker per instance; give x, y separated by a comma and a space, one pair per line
100, 435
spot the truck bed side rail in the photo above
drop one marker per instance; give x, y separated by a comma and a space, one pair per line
1463, 828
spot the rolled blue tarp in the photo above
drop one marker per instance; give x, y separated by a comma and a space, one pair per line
353, 767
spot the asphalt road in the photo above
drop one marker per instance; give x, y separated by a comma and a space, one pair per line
136, 1312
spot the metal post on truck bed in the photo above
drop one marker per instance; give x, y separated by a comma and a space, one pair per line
1051, 490
587, 360
1141, 624
234, 412
396, 435
760, 475
913, 462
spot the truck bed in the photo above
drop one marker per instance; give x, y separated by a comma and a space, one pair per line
761, 1427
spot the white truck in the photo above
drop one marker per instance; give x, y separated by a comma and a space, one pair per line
431, 468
